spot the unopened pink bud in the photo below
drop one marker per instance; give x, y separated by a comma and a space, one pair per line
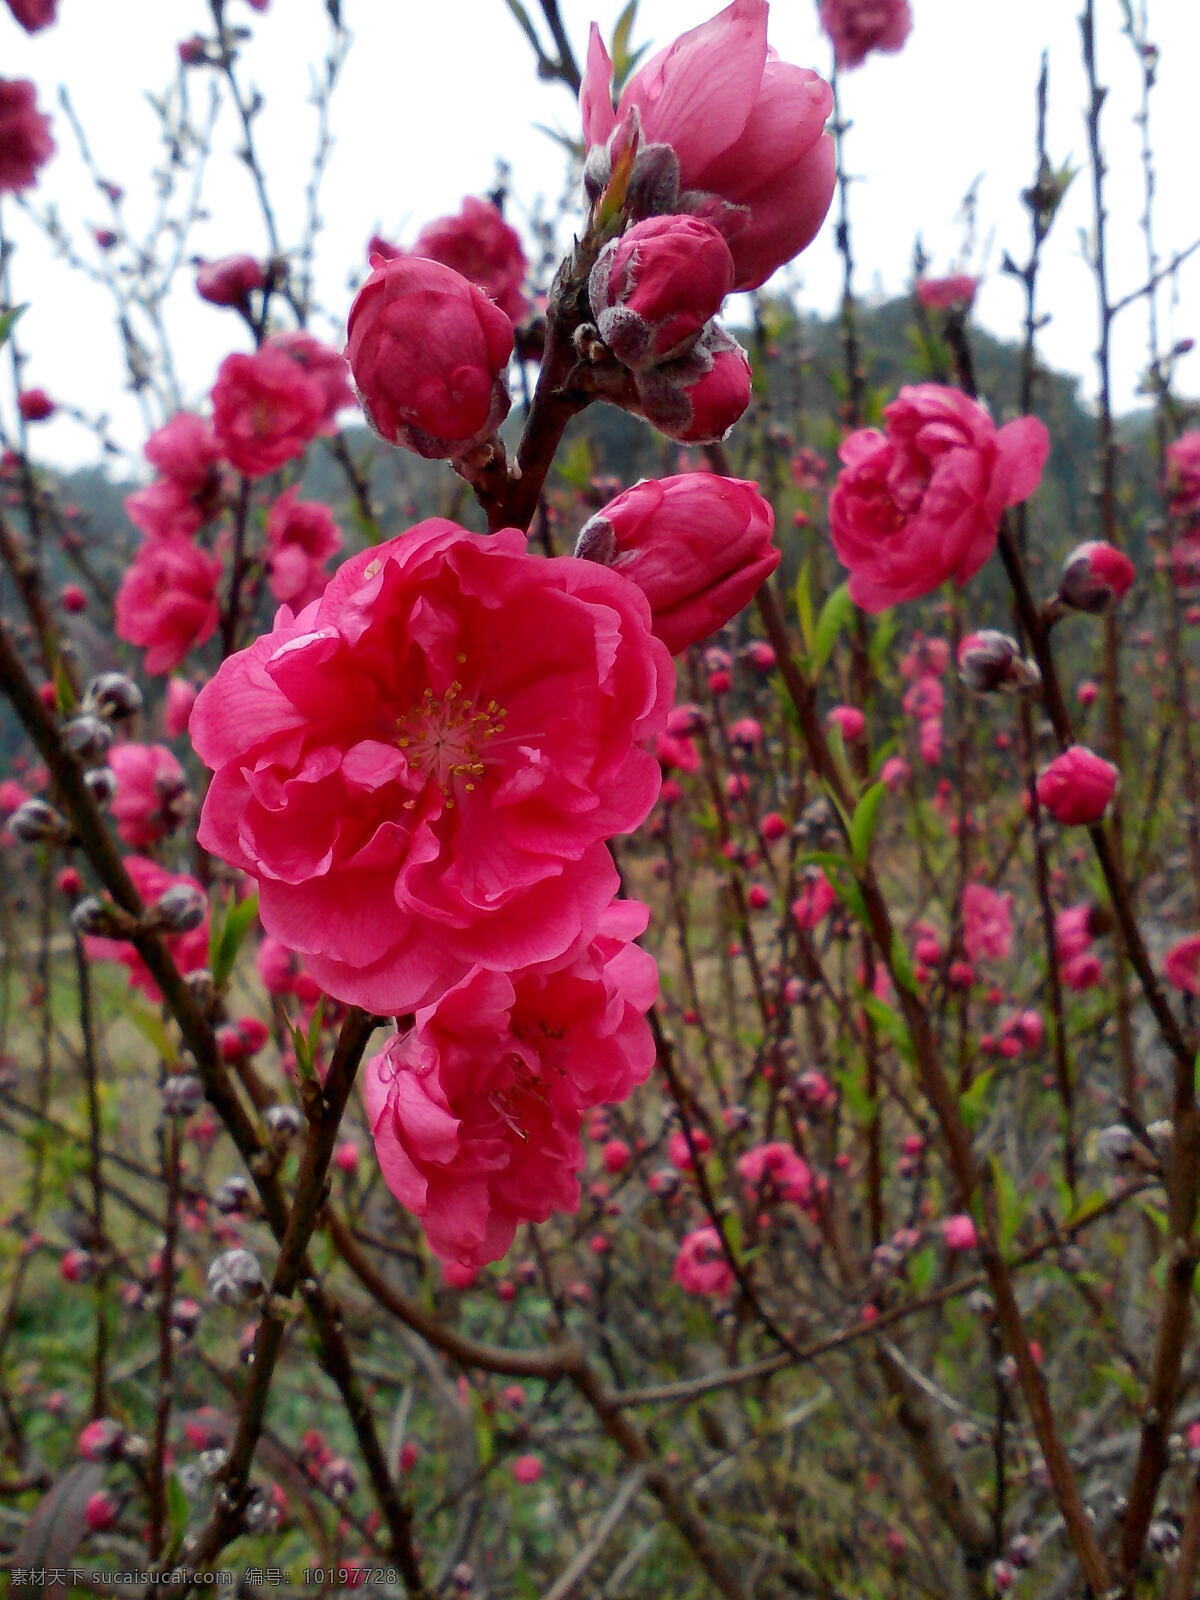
35, 405
428, 351
697, 399
1095, 576
959, 1233
229, 282
1077, 787
698, 546
653, 290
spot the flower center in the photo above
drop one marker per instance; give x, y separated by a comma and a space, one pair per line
444, 736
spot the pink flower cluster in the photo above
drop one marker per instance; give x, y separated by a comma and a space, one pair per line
267, 409
421, 769
25, 141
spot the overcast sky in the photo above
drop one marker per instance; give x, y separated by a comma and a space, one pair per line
431, 94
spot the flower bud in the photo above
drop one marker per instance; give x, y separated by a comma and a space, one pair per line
99, 918
101, 1440
698, 398
87, 738
698, 546
181, 909
428, 351
1094, 577
37, 822
284, 1122
112, 696
228, 282
185, 1317
653, 290
991, 662
1077, 787
101, 785
235, 1278
232, 1196
1115, 1143
182, 1094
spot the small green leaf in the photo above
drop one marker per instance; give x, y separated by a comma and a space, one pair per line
620, 40
8, 321
864, 820
804, 605
151, 1027
902, 967
229, 931
835, 614
973, 1102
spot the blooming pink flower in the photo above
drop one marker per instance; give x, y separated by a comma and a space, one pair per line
815, 900
856, 27
185, 450
1095, 575
1082, 972
189, 951
480, 245
1183, 475
924, 698
929, 740
1077, 787
1181, 964
476, 1113
229, 282
277, 966
25, 142
1072, 932
428, 351
701, 1266
775, 1171
922, 503
697, 545
653, 290
33, 14
421, 767
152, 794
266, 410
747, 131
987, 923
325, 366
925, 657
959, 1232
301, 536
167, 602
939, 294
527, 1469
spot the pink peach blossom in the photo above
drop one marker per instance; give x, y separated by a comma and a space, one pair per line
476, 1113
922, 504
701, 1266
301, 537
1181, 964
987, 923
746, 129
152, 794
480, 245
939, 294
25, 141
775, 1171
856, 27
266, 411
167, 602
959, 1232
421, 767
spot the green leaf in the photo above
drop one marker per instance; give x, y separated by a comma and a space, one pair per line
881, 639
973, 1102
890, 1024
902, 967
804, 605
229, 931
8, 321
920, 1268
835, 614
864, 820
620, 40
1008, 1203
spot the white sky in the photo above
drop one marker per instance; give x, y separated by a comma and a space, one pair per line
432, 93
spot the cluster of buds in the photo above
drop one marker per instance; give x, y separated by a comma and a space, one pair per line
654, 293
